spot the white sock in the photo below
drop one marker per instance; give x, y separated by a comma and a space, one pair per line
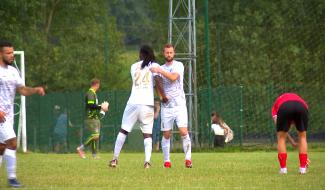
10, 158
165, 146
187, 147
0, 160
120, 139
147, 148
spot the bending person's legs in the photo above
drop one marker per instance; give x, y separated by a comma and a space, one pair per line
282, 151
303, 157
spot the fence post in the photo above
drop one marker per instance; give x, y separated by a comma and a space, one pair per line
241, 116
270, 92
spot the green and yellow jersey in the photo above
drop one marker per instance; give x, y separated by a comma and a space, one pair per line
92, 107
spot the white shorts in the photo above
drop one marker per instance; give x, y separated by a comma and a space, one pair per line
169, 115
6, 131
143, 114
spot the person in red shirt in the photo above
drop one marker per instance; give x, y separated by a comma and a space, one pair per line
289, 108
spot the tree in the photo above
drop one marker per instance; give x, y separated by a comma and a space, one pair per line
65, 42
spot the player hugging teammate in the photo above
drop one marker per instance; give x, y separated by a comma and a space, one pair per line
140, 106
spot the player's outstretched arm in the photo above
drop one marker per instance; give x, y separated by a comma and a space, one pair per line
160, 89
27, 91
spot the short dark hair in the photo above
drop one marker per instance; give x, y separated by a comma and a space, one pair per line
4, 43
146, 55
169, 46
94, 81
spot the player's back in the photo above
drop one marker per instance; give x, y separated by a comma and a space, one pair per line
142, 84
285, 98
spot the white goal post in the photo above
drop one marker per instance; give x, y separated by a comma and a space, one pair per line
21, 131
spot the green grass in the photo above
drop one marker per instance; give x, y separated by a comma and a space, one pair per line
237, 170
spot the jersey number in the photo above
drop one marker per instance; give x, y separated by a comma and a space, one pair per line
141, 80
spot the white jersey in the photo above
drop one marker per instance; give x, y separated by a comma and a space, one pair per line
174, 90
143, 84
9, 82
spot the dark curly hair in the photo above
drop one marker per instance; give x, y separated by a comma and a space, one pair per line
146, 55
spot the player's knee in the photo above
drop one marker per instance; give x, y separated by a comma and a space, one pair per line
167, 134
11, 144
302, 134
183, 131
2, 148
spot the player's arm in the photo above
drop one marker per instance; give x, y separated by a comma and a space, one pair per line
292, 141
27, 91
172, 76
160, 89
274, 119
156, 112
274, 112
222, 125
2, 116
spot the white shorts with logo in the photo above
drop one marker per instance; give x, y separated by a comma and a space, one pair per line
171, 114
143, 114
6, 131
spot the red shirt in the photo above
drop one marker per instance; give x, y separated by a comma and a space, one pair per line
284, 98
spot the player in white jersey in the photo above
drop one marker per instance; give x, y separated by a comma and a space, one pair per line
175, 109
10, 82
140, 106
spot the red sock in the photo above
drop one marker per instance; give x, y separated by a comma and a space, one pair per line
282, 159
303, 160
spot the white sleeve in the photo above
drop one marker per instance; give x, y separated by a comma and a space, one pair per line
155, 65
132, 72
179, 68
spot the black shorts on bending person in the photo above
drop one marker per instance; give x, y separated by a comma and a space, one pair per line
292, 112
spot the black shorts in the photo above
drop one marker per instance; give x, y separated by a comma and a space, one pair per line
292, 112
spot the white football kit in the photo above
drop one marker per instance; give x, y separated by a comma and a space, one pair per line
9, 82
140, 104
175, 109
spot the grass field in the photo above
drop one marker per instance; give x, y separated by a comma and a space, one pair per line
238, 170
